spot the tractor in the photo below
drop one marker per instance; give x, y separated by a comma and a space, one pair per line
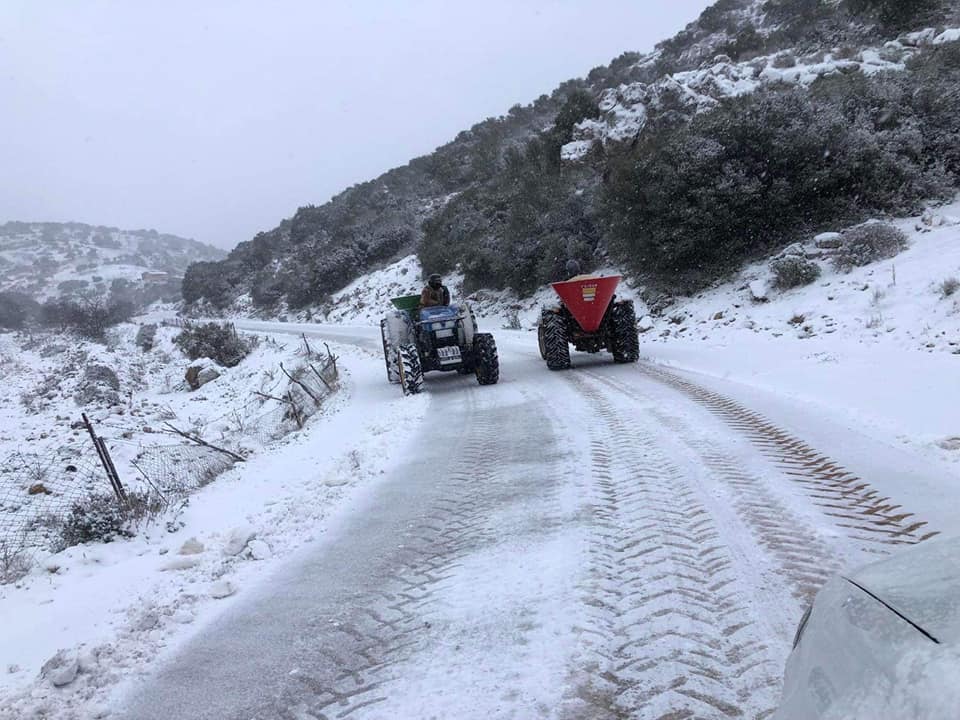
590, 318
444, 337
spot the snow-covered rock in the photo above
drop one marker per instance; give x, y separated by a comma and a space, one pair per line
222, 589
259, 550
191, 547
828, 240
237, 540
947, 36
62, 668
759, 290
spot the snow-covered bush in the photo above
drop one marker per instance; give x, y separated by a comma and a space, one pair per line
216, 341
868, 243
99, 518
146, 336
14, 564
793, 271
948, 287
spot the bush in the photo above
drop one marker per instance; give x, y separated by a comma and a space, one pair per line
219, 342
99, 518
868, 243
948, 287
16, 310
146, 336
792, 271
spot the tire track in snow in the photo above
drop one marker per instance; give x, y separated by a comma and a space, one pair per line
852, 503
670, 623
356, 654
802, 559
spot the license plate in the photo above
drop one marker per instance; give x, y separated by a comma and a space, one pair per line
449, 354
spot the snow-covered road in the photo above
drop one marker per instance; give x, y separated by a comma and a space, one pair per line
608, 542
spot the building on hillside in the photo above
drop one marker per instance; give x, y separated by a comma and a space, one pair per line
155, 277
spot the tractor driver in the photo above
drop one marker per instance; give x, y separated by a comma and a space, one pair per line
435, 293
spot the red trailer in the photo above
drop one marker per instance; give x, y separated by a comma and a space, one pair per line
590, 318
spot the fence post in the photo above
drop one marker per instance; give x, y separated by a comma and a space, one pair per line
101, 447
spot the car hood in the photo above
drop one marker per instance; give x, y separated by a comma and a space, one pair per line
922, 584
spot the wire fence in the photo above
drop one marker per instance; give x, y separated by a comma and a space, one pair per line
41, 493
37, 494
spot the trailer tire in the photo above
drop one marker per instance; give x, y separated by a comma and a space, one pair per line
625, 340
411, 372
553, 340
486, 358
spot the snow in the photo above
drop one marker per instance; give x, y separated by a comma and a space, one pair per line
95, 597
624, 109
947, 36
515, 585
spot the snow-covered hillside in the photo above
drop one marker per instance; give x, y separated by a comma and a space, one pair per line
43, 260
625, 109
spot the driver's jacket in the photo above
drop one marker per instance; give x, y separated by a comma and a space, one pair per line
431, 298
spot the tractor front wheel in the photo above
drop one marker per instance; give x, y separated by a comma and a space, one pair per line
411, 372
553, 340
626, 342
486, 359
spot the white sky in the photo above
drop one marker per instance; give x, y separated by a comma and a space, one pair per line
215, 119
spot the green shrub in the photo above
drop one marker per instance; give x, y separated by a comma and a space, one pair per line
219, 342
793, 271
868, 243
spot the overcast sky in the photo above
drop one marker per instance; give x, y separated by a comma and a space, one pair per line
214, 120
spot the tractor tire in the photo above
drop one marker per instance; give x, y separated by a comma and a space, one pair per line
553, 341
411, 372
389, 354
625, 340
486, 358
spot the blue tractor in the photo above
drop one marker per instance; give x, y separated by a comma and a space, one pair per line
441, 338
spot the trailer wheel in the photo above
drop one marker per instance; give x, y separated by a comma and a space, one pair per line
554, 346
411, 372
625, 341
487, 359
389, 353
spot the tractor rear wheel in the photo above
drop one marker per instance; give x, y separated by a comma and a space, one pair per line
553, 340
486, 358
389, 353
411, 372
625, 340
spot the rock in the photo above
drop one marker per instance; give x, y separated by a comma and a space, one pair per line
828, 240
759, 291
180, 563
259, 550
238, 539
794, 249
38, 489
222, 589
192, 547
13, 669
61, 669
645, 324
199, 375
718, 316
